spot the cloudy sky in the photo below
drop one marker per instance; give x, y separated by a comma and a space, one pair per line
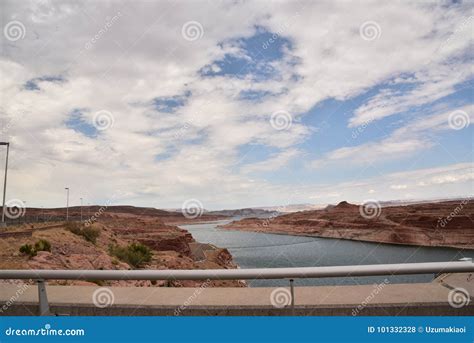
237, 103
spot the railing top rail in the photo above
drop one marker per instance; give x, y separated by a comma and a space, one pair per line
463, 266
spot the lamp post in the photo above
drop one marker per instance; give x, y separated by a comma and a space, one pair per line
81, 210
3, 224
67, 203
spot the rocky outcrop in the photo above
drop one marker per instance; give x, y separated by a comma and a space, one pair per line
170, 247
447, 224
155, 235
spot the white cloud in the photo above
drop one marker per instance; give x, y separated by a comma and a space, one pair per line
273, 163
429, 85
398, 186
450, 180
161, 159
410, 139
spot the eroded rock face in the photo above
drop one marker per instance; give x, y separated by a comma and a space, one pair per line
179, 243
170, 247
431, 224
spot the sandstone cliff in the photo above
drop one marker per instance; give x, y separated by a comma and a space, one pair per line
447, 224
170, 249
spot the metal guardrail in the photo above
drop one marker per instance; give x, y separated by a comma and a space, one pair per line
243, 274
463, 266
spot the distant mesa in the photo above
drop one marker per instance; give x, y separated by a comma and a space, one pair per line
345, 204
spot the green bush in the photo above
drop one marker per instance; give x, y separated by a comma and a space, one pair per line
28, 249
134, 254
41, 245
89, 233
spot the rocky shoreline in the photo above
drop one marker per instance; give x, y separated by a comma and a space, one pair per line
443, 224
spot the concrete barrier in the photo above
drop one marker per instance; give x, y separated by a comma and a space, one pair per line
422, 299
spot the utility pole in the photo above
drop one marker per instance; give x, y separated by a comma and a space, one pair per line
67, 204
81, 210
3, 224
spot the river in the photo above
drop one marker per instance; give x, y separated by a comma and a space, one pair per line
262, 250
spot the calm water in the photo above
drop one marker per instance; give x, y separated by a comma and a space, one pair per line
259, 250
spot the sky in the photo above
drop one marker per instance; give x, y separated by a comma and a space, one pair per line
234, 104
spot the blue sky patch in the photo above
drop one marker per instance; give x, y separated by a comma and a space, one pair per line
254, 95
255, 57
32, 85
77, 122
170, 104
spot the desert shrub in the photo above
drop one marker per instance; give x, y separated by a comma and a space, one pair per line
89, 233
74, 227
30, 250
43, 245
134, 254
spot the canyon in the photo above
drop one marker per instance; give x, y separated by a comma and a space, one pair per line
444, 224
441, 224
170, 246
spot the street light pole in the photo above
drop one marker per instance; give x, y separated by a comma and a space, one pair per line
81, 210
67, 203
3, 224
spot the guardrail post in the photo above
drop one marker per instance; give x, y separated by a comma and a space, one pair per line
292, 291
43, 299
